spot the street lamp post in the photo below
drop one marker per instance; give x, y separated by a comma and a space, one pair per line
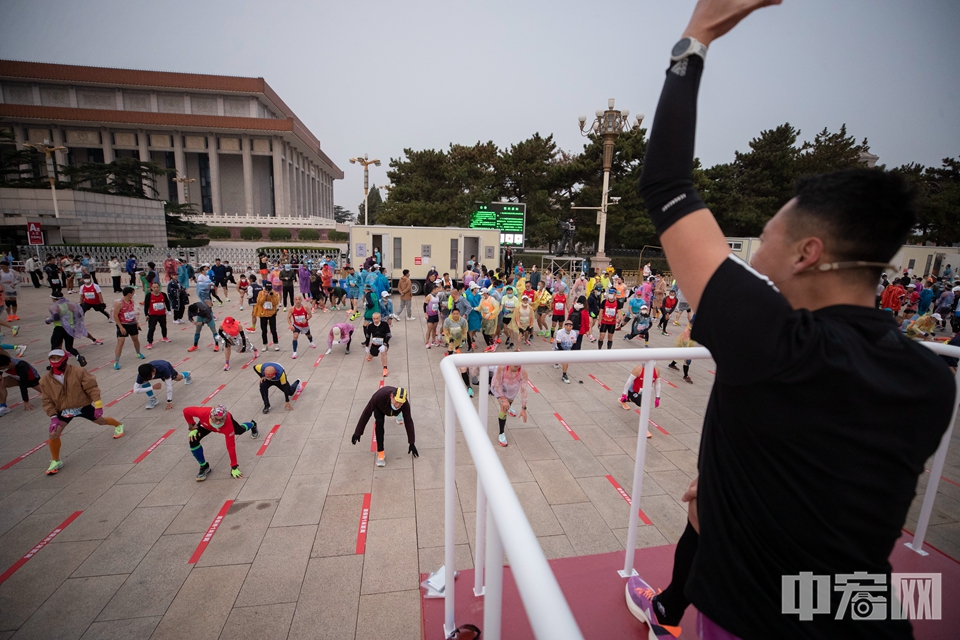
185, 181
608, 125
366, 162
48, 149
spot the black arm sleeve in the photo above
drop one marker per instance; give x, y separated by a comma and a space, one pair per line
365, 416
666, 184
23, 375
408, 423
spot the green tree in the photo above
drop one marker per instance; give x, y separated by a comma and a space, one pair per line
218, 233
177, 227
938, 199
529, 172
375, 204
831, 152
279, 233
251, 233
342, 214
123, 177
310, 235
338, 236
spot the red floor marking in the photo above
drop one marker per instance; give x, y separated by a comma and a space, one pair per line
209, 534
266, 441
373, 443
925, 471
98, 368
250, 362
32, 341
566, 426
623, 494
318, 360
535, 390
594, 378
713, 372
364, 519
215, 392
40, 545
671, 384
23, 456
302, 386
659, 428
381, 385
154, 446
21, 402
128, 393
182, 361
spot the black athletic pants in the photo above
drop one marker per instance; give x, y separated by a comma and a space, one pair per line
265, 388
287, 292
61, 337
270, 322
152, 322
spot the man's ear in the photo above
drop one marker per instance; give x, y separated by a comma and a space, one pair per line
809, 253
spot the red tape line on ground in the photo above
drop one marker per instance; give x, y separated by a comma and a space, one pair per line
671, 384
99, 367
535, 390
17, 404
40, 545
23, 456
381, 385
181, 362
566, 426
925, 471
713, 372
364, 520
215, 392
154, 446
266, 441
318, 360
373, 443
659, 428
594, 378
623, 494
300, 390
128, 393
209, 534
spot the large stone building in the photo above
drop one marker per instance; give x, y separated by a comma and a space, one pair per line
248, 154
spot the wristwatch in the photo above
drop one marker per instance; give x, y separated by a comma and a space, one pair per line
687, 47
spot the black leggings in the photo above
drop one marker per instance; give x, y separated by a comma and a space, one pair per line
672, 598
265, 385
152, 322
378, 417
664, 319
116, 284
268, 321
287, 292
61, 337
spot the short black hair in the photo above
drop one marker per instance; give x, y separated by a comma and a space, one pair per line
866, 213
146, 371
128, 290
5, 360
406, 272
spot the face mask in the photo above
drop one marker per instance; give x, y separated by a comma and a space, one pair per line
645, 313
60, 366
610, 296
287, 267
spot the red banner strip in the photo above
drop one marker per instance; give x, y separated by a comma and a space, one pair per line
128, 393
595, 379
215, 392
623, 494
23, 456
40, 545
364, 519
154, 446
266, 441
566, 426
209, 534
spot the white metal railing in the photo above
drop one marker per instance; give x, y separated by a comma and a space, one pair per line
237, 219
502, 526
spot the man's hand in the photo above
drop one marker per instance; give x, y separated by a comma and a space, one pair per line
288, 406
27, 406
97, 413
523, 414
713, 18
691, 497
193, 434
355, 438
504, 405
55, 423
235, 472
169, 406
413, 450
121, 330
157, 385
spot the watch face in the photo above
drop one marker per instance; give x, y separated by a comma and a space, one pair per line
681, 47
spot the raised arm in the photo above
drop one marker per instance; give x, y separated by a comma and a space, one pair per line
691, 237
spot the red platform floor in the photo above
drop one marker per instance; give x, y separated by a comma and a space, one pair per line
595, 594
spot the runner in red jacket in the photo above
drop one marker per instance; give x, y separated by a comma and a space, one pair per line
204, 420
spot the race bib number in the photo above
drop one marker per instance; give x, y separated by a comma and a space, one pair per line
158, 306
268, 305
610, 312
71, 413
129, 317
90, 295
55, 281
558, 306
434, 307
377, 341
300, 320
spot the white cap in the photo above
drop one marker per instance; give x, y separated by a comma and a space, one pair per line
937, 317
474, 285
57, 352
385, 294
484, 290
955, 289
911, 286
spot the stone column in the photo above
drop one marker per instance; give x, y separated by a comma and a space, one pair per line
278, 204
142, 145
297, 191
107, 141
247, 175
213, 154
59, 156
180, 164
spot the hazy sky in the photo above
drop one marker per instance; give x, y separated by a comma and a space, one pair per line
379, 76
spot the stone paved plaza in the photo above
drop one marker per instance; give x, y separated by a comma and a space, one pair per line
283, 561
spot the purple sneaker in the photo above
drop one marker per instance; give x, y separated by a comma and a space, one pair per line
640, 602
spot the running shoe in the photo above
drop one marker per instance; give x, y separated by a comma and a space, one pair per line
204, 472
687, 379
192, 349
381, 459
152, 402
639, 597
649, 435
293, 356
313, 345
428, 345
347, 351
556, 366
226, 367
118, 431
83, 361
256, 353
565, 378
297, 386
139, 355
665, 333
369, 357
54, 467
470, 391
4, 410
116, 365
216, 347
251, 328
15, 329
98, 342
254, 432
512, 412
149, 345
266, 409
385, 373
276, 347
676, 324
164, 339
21, 349
673, 366
503, 439
187, 378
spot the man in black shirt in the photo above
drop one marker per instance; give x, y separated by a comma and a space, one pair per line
388, 401
805, 463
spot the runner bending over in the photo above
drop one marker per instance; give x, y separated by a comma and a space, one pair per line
340, 333
632, 391
388, 401
232, 335
272, 375
202, 421
158, 370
